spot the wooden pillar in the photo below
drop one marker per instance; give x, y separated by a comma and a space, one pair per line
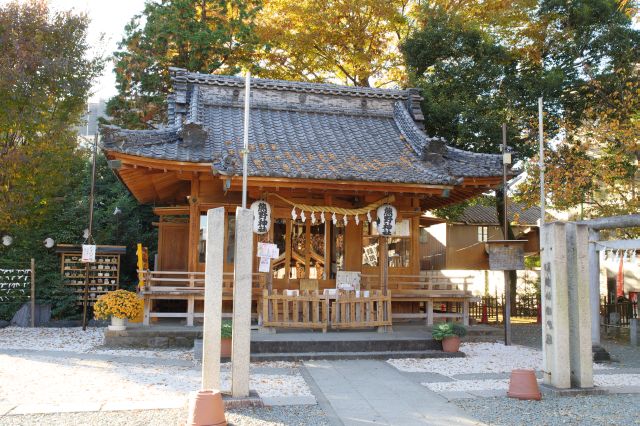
194, 223
383, 244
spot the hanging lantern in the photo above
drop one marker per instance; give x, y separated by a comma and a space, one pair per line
357, 220
294, 215
303, 217
7, 240
322, 217
387, 215
313, 218
261, 217
48, 243
334, 219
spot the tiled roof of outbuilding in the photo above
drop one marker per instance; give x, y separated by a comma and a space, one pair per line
301, 130
487, 215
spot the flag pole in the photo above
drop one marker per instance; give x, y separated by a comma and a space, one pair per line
541, 162
245, 149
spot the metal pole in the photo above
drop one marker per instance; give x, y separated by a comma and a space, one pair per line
33, 292
541, 162
505, 224
85, 297
245, 149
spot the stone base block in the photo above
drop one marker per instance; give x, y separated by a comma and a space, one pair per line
253, 400
552, 390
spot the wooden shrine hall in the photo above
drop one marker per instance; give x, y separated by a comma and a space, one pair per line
325, 158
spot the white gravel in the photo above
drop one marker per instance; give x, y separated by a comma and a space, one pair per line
480, 358
71, 339
41, 377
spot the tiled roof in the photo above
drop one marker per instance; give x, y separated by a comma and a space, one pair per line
301, 130
487, 215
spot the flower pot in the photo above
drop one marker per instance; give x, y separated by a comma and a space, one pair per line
451, 344
225, 347
118, 324
523, 385
206, 408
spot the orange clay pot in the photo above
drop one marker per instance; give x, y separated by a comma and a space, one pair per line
225, 348
206, 409
523, 385
451, 344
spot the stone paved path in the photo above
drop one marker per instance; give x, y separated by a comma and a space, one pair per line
366, 392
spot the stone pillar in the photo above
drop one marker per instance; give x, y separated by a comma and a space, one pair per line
594, 286
241, 340
633, 332
555, 304
211, 333
580, 325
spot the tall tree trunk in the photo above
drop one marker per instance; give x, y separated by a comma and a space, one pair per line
513, 275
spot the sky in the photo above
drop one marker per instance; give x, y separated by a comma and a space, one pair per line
108, 18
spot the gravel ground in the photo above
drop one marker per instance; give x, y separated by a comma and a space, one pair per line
291, 415
554, 410
617, 345
551, 411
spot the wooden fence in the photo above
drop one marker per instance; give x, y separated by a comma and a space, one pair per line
307, 310
350, 311
313, 310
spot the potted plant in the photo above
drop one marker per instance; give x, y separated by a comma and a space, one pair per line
450, 335
225, 339
120, 305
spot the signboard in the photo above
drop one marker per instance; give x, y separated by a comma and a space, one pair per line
506, 255
348, 280
268, 250
265, 264
88, 253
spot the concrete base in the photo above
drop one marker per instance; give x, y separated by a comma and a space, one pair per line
253, 400
552, 390
600, 354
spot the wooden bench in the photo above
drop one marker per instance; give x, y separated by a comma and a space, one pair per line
189, 286
431, 288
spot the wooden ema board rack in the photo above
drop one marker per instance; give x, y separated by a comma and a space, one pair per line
104, 274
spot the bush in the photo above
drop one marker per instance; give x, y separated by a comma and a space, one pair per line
227, 329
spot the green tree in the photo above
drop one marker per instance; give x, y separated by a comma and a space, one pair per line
199, 35
45, 77
65, 221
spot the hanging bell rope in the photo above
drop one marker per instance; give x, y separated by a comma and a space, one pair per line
338, 210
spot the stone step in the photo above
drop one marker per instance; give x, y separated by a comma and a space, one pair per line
306, 356
344, 345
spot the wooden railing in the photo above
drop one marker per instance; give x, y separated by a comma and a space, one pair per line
431, 288
189, 286
306, 310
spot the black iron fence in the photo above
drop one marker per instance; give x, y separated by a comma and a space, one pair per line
618, 312
490, 309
